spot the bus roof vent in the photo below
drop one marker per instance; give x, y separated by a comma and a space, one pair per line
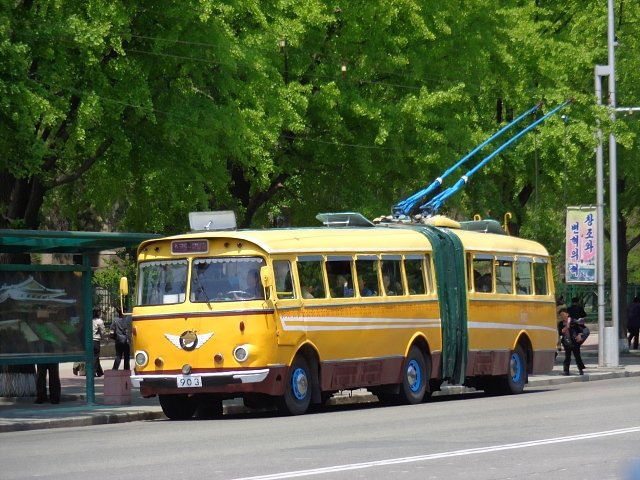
486, 226
441, 221
344, 219
203, 221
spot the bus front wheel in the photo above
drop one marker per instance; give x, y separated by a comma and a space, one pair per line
297, 392
178, 407
415, 377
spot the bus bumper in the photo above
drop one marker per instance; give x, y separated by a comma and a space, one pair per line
216, 379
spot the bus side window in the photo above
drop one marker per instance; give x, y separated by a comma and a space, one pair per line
504, 276
523, 277
540, 278
414, 268
310, 277
367, 272
392, 275
483, 274
284, 283
428, 273
339, 276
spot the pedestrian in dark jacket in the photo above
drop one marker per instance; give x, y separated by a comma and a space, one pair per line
575, 309
633, 322
121, 333
569, 344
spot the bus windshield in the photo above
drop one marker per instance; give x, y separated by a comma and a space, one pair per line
226, 279
162, 282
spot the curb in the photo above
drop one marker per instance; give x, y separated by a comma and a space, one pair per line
81, 421
93, 416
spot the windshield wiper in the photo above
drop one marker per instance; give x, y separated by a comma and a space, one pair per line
206, 297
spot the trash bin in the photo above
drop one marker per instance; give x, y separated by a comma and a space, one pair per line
117, 387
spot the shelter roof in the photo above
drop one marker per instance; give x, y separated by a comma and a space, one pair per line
54, 241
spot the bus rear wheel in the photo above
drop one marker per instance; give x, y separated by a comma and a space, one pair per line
297, 392
517, 374
178, 407
514, 380
415, 377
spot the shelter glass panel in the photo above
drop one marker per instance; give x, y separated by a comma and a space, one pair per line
40, 313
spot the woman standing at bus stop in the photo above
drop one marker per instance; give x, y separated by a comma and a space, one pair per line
98, 335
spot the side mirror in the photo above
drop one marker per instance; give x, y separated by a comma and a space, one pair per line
124, 291
124, 286
266, 277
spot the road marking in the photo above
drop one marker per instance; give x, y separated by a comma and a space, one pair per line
436, 456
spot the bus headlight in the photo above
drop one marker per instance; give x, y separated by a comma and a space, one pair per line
241, 353
141, 358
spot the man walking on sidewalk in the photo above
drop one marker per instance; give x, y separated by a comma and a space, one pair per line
569, 344
121, 333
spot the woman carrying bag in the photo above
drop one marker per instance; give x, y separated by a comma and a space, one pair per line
573, 336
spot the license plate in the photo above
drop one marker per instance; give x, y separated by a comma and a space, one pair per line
189, 381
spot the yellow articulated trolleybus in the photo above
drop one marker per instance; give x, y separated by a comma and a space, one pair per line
288, 317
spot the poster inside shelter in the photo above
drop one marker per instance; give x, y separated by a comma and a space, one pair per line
581, 245
40, 313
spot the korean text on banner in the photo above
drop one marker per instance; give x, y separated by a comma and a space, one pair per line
581, 245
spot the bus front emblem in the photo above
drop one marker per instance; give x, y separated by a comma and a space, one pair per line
189, 340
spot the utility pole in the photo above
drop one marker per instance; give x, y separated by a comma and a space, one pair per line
613, 189
609, 344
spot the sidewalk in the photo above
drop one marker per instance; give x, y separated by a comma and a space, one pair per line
17, 414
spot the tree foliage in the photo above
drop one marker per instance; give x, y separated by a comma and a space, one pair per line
131, 115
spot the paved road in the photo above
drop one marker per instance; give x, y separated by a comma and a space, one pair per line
579, 430
18, 414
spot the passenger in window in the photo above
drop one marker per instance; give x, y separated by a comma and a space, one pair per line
485, 283
342, 287
307, 291
254, 288
364, 290
389, 287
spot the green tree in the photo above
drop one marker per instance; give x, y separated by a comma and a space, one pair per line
133, 115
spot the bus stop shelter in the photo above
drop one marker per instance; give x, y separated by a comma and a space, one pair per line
46, 309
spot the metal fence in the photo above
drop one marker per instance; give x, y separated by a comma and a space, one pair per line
107, 300
588, 295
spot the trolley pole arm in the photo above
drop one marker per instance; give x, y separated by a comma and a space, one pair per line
434, 204
404, 207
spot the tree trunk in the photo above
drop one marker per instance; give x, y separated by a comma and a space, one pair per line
623, 276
